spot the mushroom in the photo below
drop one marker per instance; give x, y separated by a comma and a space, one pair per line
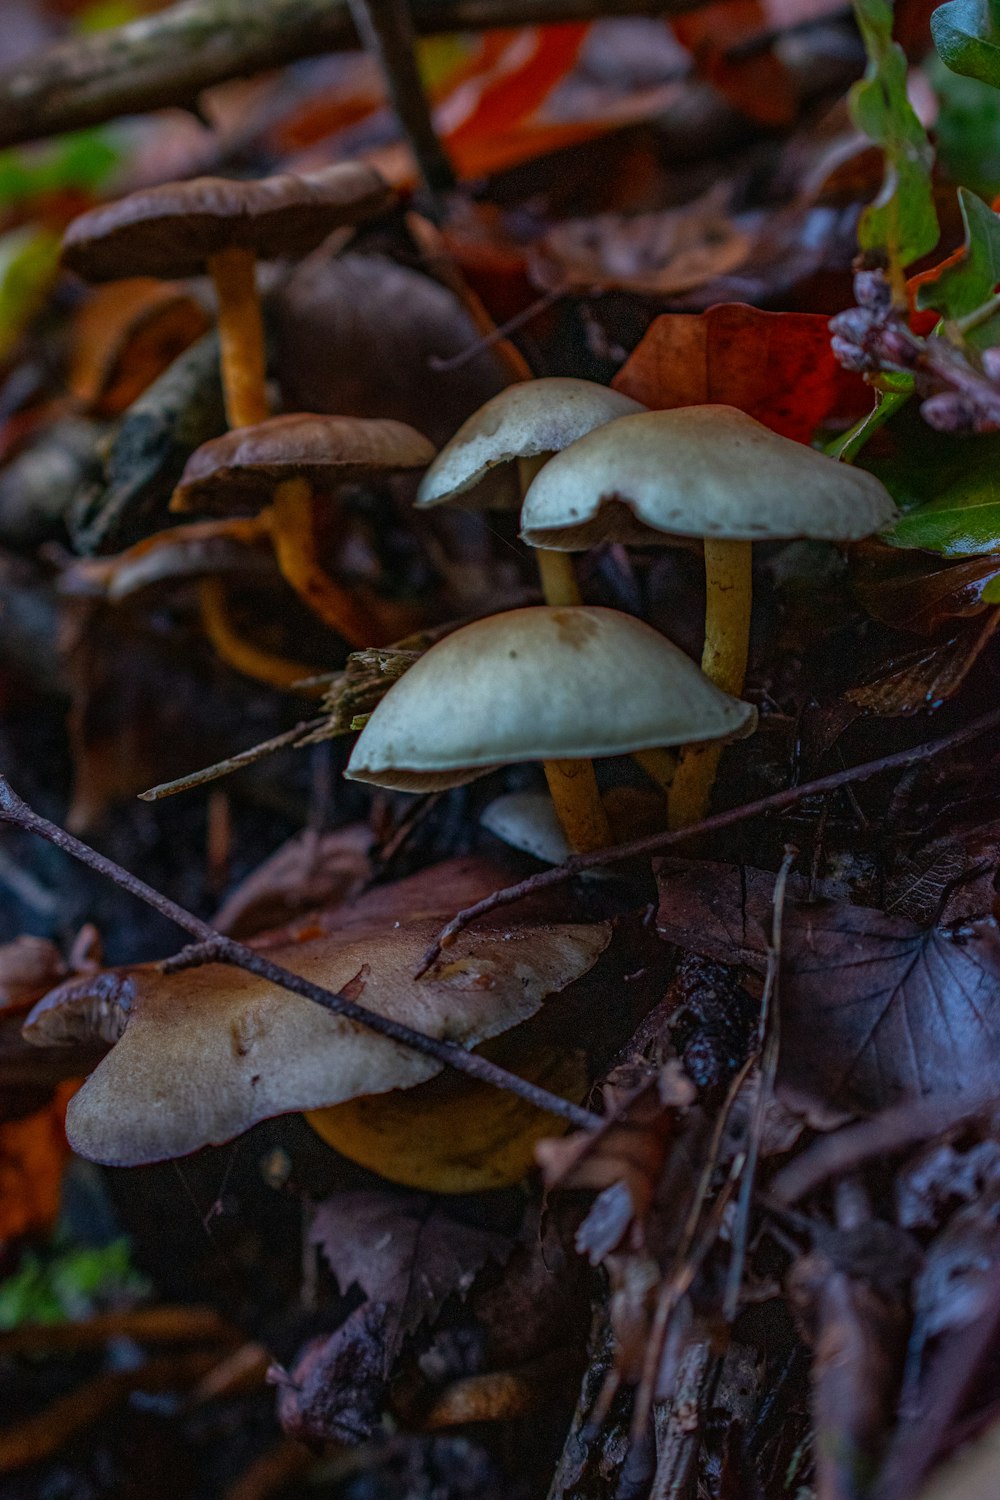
560, 686
223, 225
204, 1054
714, 473
278, 464
523, 426
527, 821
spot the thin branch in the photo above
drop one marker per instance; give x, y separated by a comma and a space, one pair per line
214, 947
233, 762
386, 28
169, 58
654, 843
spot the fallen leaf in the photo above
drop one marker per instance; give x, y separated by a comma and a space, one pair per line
125, 335
874, 1008
312, 869
335, 1391
924, 679
777, 367
919, 593
359, 336
655, 254
33, 1152
408, 1252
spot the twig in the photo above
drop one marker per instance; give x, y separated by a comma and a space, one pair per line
386, 28
168, 59
146, 1325
502, 331
213, 947
233, 762
768, 1045
654, 843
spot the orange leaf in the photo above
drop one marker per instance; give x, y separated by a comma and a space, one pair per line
777, 367
33, 1151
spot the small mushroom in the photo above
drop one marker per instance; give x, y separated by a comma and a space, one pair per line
560, 686
528, 821
714, 473
279, 464
224, 225
522, 427
206, 1053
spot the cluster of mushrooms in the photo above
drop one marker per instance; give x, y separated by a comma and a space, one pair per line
562, 684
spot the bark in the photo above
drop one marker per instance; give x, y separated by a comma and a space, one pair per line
168, 58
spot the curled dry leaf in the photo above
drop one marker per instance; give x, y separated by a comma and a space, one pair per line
656, 254
126, 334
874, 1007
427, 1253
208, 1052
359, 336
336, 1389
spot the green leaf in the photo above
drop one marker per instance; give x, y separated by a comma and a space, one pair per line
960, 493
29, 260
72, 1283
967, 129
901, 223
967, 36
82, 161
966, 285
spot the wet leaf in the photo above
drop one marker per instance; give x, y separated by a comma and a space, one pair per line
919, 593
967, 36
922, 680
901, 224
777, 367
426, 1253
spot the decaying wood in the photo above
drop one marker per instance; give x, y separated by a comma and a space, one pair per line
167, 59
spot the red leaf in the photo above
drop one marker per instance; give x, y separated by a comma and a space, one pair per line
777, 367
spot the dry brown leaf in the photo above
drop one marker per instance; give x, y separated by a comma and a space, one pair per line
33, 1152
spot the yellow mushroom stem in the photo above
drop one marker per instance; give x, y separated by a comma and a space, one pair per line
728, 599
295, 548
241, 336
555, 569
253, 661
659, 765
573, 787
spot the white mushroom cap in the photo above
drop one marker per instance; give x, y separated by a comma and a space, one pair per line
523, 421
206, 1053
539, 684
528, 821
698, 471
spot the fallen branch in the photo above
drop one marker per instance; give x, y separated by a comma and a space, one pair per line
213, 947
655, 843
169, 58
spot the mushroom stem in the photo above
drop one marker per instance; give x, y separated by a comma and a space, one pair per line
295, 548
252, 661
659, 765
555, 569
241, 336
728, 599
573, 787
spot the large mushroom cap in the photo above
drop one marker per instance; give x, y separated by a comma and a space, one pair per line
241, 468
206, 1053
172, 229
698, 471
523, 421
539, 684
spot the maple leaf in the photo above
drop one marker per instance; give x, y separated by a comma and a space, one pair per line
408, 1252
902, 222
777, 367
873, 1007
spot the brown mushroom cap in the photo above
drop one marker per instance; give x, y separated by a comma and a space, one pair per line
698, 471
206, 1053
240, 469
523, 421
172, 229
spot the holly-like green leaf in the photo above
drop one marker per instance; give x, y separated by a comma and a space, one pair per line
902, 222
967, 129
967, 36
967, 284
963, 517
